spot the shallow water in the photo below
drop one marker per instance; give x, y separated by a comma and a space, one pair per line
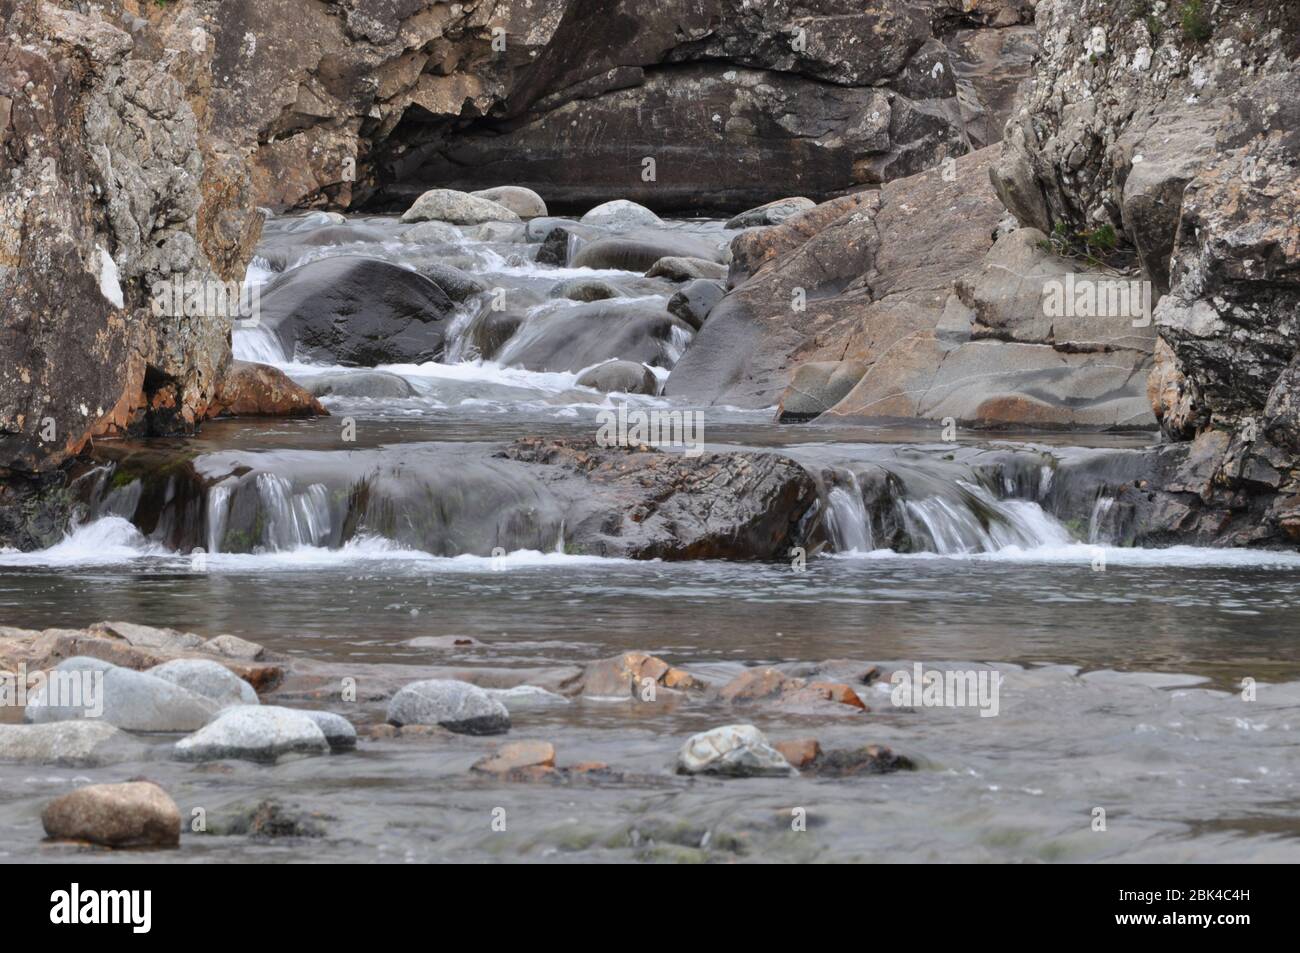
1122, 666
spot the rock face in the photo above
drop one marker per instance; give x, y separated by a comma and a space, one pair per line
136, 814
738, 89
1188, 155
103, 193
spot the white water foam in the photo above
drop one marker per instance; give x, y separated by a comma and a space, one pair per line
104, 541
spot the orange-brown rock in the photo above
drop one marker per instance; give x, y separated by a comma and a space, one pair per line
518, 756
770, 685
624, 676
800, 752
259, 390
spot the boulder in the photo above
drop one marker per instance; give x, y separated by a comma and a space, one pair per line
621, 215
136, 814
70, 743
248, 389
686, 269
641, 503
695, 300
817, 387
492, 329
211, 680
456, 706
432, 233
771, 213
458, 208
374, 385
232, 646
621, 377
263, 733
628, 675
338, 731
739, 751
517, 757
586, 289
639, 250
523, 202
357, 311
572, 338
135, 701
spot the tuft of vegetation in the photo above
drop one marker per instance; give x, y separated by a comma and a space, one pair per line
1094, 247
1195, 21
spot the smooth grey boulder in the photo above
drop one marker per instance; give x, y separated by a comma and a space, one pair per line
575, 337
773, 213
456, 284
74, 743
376, 385
739, 751
586, 289
492, 329
254, 733
357, 311
432, 233
695, 300
498, 232
677, 268
639, 250
135, 701
621, 214
621, 377
458, 208
212, 680
338, 731
456, 706
523, 202
817, 387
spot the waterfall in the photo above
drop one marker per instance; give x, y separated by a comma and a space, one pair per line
1097, 521
974, 521
292, 519
846, 517
218, 515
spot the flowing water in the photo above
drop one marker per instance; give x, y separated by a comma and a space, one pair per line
1122, 667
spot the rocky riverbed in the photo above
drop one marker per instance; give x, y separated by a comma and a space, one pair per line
584, 431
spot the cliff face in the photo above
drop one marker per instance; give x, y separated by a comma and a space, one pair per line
102, 191
1178, 127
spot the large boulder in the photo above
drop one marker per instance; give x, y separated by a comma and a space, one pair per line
457, 208
621, 215
254, 733
574, 337
357, 311
640, 250
137, 701
523, 202
621, 377
373, 385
